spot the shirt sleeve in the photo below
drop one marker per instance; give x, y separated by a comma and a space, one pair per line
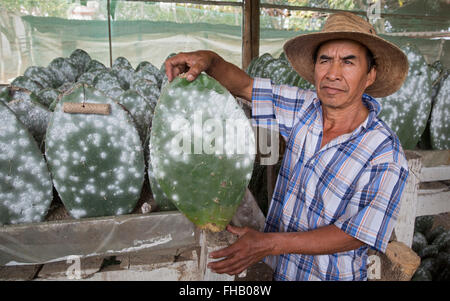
372, 212
277, 107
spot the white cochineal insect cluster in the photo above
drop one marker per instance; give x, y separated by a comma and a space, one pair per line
96, 161
25, 183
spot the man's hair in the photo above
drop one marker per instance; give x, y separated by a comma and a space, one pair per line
369, 57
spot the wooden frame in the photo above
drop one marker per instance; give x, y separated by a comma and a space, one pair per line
424, 194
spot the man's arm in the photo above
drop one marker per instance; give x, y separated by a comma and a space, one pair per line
252, 246
193, 63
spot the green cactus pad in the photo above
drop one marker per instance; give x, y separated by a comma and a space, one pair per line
144, 73
439, 126
125, 76
123, 71
94, 65
5, 97
161, 199
147, 89
31, 113
407, 110
63, 70
96, 161
65, 87
47, 96
40, 75
140, 109
121, 62
258, 69
108, 83
195, 160
149, 69
89, 76
25, 183
80, 59
25, 82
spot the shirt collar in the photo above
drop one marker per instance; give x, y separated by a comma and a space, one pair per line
374, 109
371, 104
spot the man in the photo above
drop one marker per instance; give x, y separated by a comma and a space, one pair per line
343, 172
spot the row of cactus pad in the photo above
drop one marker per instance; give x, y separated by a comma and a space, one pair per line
97, 163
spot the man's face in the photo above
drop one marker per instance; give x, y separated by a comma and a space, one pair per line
340, 73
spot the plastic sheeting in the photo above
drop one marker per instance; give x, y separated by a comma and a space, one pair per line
53, 241
57, 241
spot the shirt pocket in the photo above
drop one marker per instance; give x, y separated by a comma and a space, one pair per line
335, 196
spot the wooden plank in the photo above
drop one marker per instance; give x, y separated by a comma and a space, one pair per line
432, 202
200, 2
435, 165
404, 229
438, 173
356, 12
434, 158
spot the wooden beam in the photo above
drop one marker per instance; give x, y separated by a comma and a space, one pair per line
404, 229
250, 32
433, 198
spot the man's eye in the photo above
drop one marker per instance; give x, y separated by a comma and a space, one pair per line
347, 62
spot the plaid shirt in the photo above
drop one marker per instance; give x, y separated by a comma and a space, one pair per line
354, 182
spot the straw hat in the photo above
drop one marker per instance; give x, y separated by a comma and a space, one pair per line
391, 62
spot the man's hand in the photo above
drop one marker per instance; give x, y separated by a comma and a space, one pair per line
233, 78
250, 248
193, 63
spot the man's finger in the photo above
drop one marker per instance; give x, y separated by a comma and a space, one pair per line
176, 65
232, 268
237, 230
194, 71
225, 252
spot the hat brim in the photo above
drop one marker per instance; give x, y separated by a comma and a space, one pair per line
391, 63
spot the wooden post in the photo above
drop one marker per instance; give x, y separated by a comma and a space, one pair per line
250, 32
404, 229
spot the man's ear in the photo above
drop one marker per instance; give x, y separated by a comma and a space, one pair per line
371, 76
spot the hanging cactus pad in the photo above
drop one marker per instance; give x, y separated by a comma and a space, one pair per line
96, 161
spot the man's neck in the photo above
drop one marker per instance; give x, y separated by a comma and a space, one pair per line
340, 121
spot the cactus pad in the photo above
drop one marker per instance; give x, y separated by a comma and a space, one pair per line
25, 183
96, 161
198, 159
407, 110
439, 127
